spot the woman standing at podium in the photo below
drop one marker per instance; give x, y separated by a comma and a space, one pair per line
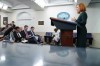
81, 25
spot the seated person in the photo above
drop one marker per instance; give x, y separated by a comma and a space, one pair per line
6, 33
12, 38
17, 34
4, 29
32, 34
13, 23
56, 36
25, 35
25, 32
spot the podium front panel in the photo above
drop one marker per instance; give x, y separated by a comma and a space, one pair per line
67, 38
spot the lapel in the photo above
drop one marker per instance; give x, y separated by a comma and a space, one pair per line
32, 33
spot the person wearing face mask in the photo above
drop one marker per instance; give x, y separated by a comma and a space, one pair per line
81, 25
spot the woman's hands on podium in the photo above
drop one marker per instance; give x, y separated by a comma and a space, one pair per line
73, 19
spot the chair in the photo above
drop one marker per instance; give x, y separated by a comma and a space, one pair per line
48, 37
88, 36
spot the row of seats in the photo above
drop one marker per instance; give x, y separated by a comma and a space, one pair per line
48, 37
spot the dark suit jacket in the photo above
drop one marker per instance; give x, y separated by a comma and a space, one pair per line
8, 30
32, 38
23, 34
82, 20
81, 30
31, 33
17, 39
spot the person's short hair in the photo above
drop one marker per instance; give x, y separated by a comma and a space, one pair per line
25, 26
13, 22
17, 28
55, 29
32, 27
82, 7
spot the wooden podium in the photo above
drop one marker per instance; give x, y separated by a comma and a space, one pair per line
66, 28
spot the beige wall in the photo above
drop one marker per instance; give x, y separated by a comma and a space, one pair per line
96, 40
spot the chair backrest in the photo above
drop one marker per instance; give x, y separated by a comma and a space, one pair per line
89, 35
48, 34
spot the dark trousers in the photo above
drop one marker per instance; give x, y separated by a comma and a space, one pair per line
81, 37
39, 38
32, 40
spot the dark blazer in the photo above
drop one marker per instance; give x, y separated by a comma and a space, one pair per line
32, 38
82, 20
17, 38
23, 34
31, 34
81, 30
8, 30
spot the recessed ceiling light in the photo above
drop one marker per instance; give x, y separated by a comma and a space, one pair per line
5, 7
75, 1
40, 3
1, 5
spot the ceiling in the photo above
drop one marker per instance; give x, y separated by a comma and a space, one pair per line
58, 1
32, 4
95, 1
11, 3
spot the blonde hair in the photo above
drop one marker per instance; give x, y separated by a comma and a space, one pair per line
82, 7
